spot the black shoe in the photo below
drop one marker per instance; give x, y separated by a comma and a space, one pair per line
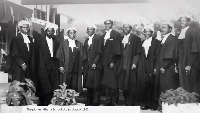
154, 108
95, 104
107, 104
145, 108
88, 104
114, 104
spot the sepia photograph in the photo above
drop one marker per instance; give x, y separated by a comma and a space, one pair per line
95, 56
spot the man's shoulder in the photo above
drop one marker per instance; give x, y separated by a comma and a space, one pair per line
115, 32
133, 36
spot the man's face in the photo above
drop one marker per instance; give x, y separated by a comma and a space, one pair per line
108, 25
25, 29
90, 31
50, 32
184, 22
147, 33
126, 29
166, 29
71, 34
157, 26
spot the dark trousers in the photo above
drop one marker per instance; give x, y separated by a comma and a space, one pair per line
45, 100
93, 96
149, 98
71, 80
129, 98
112, 96
53, 79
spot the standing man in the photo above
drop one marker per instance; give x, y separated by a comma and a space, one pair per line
92, 48
22, 53
187, 55
71, 56
46, 64
131, 46
110, 59
146, 67
166, 60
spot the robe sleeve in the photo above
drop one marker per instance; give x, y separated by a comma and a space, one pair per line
59, 55
15, 52
138, 51
136, 59
82, 52
117, 49
98, 50
167, 63
194, 50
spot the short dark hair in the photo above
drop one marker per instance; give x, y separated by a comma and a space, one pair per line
108, 20
50, 28
129, 26
70, 30
188, 19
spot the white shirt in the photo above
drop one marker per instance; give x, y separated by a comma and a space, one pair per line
107, 36
50, 45
146, 45
182, 34
90, 39
72, 43
126, 39
26, 40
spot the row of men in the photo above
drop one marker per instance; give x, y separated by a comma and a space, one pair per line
141, 69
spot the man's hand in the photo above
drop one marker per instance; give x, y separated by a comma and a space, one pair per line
162, 70
24, 67
154, 71
112, 65
133, 67
94, 66
62, 70
187, 70
176, 69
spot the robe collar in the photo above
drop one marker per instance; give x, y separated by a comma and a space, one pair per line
25, 37
72, 42
183, 32
90, 39
107, 35
165, 38
146, 45
126, 39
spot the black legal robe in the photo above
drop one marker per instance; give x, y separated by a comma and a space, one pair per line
93, 54
20, 55
187, 55
71, 65
166, 59
127, 80
131, 56
111, 52
146, 66
47, 67
92, 77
